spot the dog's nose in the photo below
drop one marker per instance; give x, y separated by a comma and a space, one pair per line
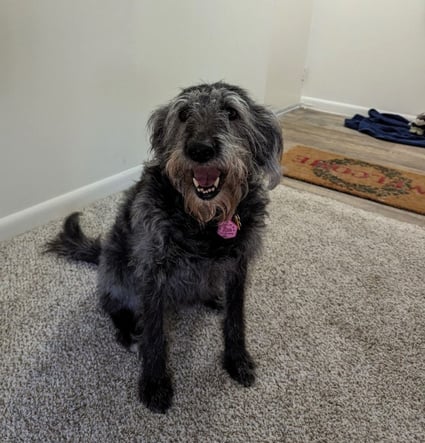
201, 152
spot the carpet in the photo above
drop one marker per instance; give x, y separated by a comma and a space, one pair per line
335, 322
390, 186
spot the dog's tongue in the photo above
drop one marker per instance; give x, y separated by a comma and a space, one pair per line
206, 176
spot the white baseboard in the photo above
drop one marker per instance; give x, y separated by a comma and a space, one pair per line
62, 205
284, 111
346, 109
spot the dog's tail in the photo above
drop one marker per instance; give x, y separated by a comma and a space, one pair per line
73, 244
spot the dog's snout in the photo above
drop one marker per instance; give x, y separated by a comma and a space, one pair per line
201, 152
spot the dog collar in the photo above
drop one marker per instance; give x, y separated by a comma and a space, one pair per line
229, 228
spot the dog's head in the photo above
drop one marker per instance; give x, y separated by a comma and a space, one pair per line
211, 140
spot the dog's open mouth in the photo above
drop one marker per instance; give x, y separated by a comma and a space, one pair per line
207, 182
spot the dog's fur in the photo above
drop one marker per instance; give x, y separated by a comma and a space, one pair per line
164, 247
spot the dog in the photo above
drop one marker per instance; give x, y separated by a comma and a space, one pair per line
188, 229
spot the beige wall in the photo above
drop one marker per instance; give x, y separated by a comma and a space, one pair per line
79, 78
368, 53
291, 30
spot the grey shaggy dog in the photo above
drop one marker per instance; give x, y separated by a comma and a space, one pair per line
187, 230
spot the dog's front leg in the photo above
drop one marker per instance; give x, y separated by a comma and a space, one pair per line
155, 387
237, 361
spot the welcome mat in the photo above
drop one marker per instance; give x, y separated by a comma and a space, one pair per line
390, 186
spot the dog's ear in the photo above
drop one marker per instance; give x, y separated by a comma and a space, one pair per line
156, 127
269, 144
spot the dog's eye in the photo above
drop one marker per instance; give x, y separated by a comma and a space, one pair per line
232, 114
184, 114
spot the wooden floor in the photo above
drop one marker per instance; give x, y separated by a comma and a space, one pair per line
326, 131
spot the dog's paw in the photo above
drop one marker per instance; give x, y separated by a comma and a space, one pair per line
240, 367
156, 394
214, 304
125, 339
128, 341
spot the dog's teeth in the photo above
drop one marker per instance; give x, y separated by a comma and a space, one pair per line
196, 183
202, 190
217, 181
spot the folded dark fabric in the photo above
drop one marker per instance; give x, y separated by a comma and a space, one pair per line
391, 127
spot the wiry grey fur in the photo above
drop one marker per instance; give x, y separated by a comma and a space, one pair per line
164, 247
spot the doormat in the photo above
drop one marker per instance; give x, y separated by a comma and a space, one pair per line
394, 187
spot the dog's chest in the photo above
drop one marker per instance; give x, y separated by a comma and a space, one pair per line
196, 278
205, 244
200, 266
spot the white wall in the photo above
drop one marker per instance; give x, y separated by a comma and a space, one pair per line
368, 53
79, 78
291, 30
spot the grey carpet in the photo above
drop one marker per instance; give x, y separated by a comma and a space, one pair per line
336, 324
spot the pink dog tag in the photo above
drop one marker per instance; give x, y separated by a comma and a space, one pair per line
227, 229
